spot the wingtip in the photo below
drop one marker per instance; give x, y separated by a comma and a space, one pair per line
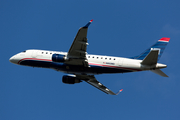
91, 20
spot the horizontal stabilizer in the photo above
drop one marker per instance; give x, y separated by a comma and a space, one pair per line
159, 72
151, 58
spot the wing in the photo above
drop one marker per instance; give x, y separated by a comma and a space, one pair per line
77, 51
92, 81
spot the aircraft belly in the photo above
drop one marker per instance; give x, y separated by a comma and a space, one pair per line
35, 63
92, 69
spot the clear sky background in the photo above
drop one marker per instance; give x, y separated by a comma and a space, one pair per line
120, 28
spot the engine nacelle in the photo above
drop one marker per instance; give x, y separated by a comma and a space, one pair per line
70, 79
58, 58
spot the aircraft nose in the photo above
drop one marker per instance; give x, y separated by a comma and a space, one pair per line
13, 59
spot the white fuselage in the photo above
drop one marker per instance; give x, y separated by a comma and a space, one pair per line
98, 64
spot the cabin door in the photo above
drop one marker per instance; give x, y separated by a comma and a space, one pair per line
34, 54
120, 63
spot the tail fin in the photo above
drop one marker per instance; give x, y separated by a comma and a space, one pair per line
159, 45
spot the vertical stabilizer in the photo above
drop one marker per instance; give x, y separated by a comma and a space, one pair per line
160, 45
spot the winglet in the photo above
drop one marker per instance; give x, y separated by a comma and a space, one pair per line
87, 25
119, 91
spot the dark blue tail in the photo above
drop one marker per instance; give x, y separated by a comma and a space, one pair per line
159, 45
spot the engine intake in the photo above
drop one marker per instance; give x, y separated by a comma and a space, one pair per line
70, 79
58, 58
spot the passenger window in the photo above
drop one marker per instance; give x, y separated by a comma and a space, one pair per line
88, 56
97, 57
114, 59
42, 52
101, 57
46, 52
109, 58
105, 58
93, 57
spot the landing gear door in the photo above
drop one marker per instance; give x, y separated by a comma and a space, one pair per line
120, 63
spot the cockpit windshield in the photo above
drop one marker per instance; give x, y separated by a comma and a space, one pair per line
24, 51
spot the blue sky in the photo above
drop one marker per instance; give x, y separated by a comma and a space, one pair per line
120, 28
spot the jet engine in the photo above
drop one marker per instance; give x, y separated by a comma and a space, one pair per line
58, 58
70, 79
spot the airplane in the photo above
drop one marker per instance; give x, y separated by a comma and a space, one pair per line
81, 66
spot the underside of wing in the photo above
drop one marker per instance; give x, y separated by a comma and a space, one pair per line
92, 81
79, 45
77, 51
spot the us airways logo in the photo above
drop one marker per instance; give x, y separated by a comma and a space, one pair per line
156, 49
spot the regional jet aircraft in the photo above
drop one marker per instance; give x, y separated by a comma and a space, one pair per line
81, 66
